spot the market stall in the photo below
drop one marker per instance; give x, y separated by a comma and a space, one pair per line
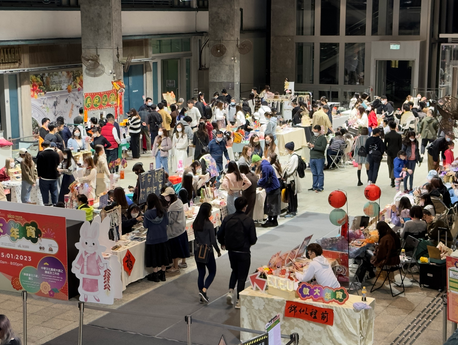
15, 188
287, 134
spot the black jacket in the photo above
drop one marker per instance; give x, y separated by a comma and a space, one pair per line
155, 121
393, 143
438, 147
249, 230
375, 144
47, 163
101, 140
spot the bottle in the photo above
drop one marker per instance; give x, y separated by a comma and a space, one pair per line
403, 254
363, 291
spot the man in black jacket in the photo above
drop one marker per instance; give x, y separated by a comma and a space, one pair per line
237, 234
155, 121
393, 144
98, 139
437, 149
47, 162
375, 149
145, 113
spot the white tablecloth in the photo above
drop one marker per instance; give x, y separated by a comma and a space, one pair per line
296, 135
350, 326
339, 121
16, 191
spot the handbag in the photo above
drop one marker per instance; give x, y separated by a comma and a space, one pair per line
202, 253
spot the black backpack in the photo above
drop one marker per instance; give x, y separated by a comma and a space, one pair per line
208, 112
301, 166
234, 238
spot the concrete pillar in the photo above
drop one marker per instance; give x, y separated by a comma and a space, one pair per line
282, 46
26, 105
224, 28
101, 33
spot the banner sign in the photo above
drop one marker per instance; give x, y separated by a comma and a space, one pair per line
150, 182
323, 294
128, 262
452, 288
259, 340
68, 80
33, 254
309, 312
100, 100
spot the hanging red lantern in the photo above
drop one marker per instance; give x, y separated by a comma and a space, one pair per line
337, 199
372, 192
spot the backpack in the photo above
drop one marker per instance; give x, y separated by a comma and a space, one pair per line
301, 166
208, 112
234, 238
238, 137
362, 152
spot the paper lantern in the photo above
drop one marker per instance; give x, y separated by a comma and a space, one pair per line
338, 217
337, 199
372, 192
371, 209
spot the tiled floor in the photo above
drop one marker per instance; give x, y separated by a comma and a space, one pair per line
47, 320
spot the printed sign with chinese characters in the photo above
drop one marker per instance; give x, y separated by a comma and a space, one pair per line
452, 288
323, 294
128, 262
150, 182
100, 100
33, 254
309, 312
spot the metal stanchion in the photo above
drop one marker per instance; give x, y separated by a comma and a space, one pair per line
188, 319
444, 331
24, 317
80, 330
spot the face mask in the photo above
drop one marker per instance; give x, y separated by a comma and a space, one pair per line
268, 141
160, 133
448, 139
12, 165
77, 134
232, 103
179, 129
256, 143
383, 102
316, 134
149, 104
134, 215
412, 139
219, 139
65, 156
369, 108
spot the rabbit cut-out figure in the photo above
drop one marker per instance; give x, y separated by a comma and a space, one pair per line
89, 265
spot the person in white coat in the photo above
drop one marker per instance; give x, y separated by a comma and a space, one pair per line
240, 119
89, 178
291, 179
219, 114
319, 268
103, 173
180, 143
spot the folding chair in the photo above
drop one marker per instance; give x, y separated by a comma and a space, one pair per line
337, 159
440, 208
409, 243
388, 269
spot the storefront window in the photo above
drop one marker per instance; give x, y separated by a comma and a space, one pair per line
329, 63
409, 17
356, 18
330, 17
354, 63
304, 63
305, 17
171, 45
382, 17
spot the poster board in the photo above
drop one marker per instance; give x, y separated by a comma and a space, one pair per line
341, 270
150, 182
452, 288
33, 254
115, 228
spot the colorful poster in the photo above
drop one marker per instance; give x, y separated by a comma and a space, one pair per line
67, 80
100, 100
309, 312
452, 288
33, 254
325, 294
341, 269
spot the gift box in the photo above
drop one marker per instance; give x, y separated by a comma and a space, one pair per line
175, 179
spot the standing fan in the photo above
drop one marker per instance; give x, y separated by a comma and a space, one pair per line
218, 50
245, 47
93, 66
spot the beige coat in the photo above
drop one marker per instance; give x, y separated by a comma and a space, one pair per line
103, 175
322, 119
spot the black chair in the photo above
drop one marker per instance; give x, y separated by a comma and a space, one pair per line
388, 269
411, 242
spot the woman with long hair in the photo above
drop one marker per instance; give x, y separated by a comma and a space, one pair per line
161, 147
135, 127
89, 177
29, 175
103, 173
411, 148
7, 336
119, 199
66, 168
360, 142
200, 140
157, 252
245, 156
180, 142
270, 146
219, 114
240, 119
76, 142
275, 162
256, 145
234, 183
187, 183
204, 233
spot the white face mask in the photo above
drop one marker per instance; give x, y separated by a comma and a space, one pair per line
160, 133
134, 215
369, 108
12, 165
219, 139
65, 156
149, 104
412, 139
316, 133
77, 134
179, 129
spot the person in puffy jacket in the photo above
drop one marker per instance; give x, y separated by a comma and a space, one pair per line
157, 253
428, 128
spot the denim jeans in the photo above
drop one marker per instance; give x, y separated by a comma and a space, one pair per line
409, 165
317, 166
162, 162
26, 188
374, 166
46, 187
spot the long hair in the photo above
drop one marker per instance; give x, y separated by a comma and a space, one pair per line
384, 230
90, 162
120, 197
28, 159
70, 158
202, 217
194, 165
406, 140
187, 184
5, 326
269, 148
244, 152
153, 202
98, 149
202, 131
274, 162
178, 134
404, 203
232, 167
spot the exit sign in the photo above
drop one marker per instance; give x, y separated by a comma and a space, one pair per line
395, 46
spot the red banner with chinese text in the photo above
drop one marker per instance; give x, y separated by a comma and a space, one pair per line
309, 312
100, 100
33, 254
128, 262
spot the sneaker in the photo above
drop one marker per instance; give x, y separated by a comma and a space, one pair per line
237, 305
311, 189
268, 224
203, 296
318, 190
290, 215
229, 298
173, 270
359, 183
185, 265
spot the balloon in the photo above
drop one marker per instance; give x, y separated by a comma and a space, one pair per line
337, 199
338, 217
371, 209
372, 192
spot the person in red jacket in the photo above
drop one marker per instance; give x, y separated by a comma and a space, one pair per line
110, 132
372, 120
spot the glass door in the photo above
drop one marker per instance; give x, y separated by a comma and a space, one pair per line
171, 77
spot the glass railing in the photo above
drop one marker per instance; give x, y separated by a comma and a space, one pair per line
30, 143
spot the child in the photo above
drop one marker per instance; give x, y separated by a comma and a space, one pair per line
399, 168
82, 205
449, 158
